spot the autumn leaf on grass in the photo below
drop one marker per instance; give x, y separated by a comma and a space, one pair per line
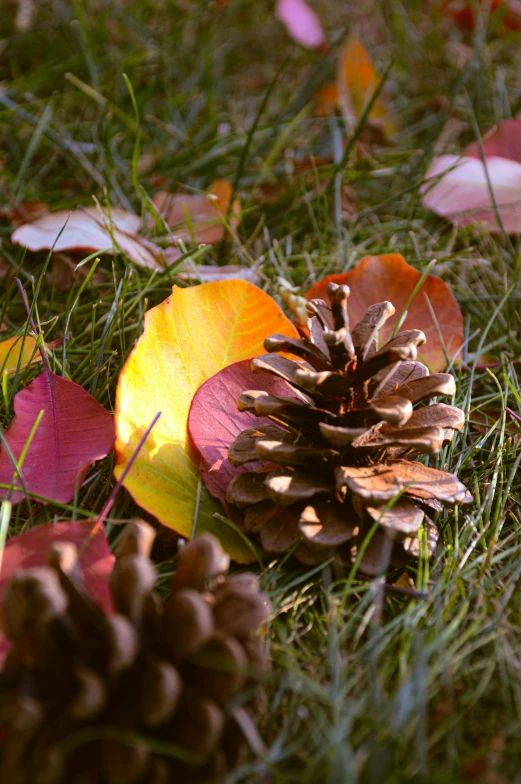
74, 430
389, 277
459, 187
18, 352
187, 339
500, 14
215, 421
31, 548
301, 22
199, 216
89, 229
357, 81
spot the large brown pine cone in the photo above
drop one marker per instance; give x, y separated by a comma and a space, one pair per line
170, 672
336, 459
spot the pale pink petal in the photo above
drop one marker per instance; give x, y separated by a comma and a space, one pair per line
301, 22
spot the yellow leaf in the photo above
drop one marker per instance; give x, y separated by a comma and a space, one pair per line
18, 352
188, 338
357, 82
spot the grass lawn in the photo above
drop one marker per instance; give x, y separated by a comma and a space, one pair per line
423, 686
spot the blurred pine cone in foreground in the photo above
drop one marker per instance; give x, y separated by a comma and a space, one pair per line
166, 672
337, 458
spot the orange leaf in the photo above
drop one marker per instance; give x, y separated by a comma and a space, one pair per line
389, 277
357, 82
205, 212
328, 98
187, 338
18, 352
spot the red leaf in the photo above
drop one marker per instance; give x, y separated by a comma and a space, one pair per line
74, 431
29, 549
504, 141
389, 277
214, 421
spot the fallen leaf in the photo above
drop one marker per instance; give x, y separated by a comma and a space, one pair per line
89, 229
389, 277
74, 431
26, 212
357, 81
328, 99
301, 23
29, 549
187, 339
214, 421
206, 273
503, 13
17, 353
503, 141
206, 213
458, 188
64, 273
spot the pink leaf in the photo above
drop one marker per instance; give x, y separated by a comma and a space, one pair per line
503, 142
89, 229
29, 549
301, 22
214, 421
74, 431
461, 191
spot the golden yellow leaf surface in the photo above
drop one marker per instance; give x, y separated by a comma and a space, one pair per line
187, 338
17, 352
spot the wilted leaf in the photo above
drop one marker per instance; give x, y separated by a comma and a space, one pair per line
205, 212
207, 273
214, 421
29, 549
503, 141
301, 22
74, 431
25, 212
389, 277
357, 82
187, 339
18, 352
504, 13
89, 229
458, 188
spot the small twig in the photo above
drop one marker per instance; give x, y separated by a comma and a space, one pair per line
405, 591
33, 325
513, 414
115, 490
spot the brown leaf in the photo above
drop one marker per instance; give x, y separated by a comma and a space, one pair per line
205, 212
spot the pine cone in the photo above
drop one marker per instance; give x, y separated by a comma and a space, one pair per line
336, 458
163, 671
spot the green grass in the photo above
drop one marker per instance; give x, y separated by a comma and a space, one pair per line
364, 688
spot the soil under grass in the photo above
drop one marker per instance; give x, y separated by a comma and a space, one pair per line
428, 689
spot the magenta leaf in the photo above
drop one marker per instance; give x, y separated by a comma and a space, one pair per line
301, 22
74, 431
214, 421
29, 549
